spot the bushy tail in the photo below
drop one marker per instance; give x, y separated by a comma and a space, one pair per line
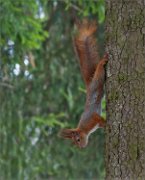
86, 48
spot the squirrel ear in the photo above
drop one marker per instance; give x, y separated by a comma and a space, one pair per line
66, 133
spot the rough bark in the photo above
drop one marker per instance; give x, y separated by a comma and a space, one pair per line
125, 131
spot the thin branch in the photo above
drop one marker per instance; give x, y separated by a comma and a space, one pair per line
76, 7
7, 85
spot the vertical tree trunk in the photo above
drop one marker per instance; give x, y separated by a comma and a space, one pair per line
125, 131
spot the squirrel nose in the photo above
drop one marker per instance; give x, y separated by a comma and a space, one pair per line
83, 145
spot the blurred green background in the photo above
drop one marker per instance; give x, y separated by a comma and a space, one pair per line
42, 91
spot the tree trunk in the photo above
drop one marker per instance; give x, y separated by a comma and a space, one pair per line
125, 130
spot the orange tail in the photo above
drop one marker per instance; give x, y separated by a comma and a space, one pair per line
86, 48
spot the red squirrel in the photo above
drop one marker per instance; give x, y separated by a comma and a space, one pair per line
93, 73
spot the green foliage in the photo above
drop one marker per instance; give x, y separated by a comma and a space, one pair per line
85, 8
20, 22
41, 91
52, 120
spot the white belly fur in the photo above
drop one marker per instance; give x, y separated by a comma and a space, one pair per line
94, 129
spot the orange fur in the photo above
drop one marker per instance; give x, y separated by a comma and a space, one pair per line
94, 76
86, 48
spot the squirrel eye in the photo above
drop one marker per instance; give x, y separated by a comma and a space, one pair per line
78, 140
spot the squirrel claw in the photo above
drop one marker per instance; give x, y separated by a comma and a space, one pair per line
106, 56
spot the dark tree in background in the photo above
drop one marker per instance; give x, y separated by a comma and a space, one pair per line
125, 132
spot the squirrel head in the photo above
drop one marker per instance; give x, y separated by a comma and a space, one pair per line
79, 138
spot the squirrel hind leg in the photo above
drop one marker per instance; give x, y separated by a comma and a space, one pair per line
100, 67
104, 60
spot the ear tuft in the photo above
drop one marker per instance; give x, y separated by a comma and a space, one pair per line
66, 133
